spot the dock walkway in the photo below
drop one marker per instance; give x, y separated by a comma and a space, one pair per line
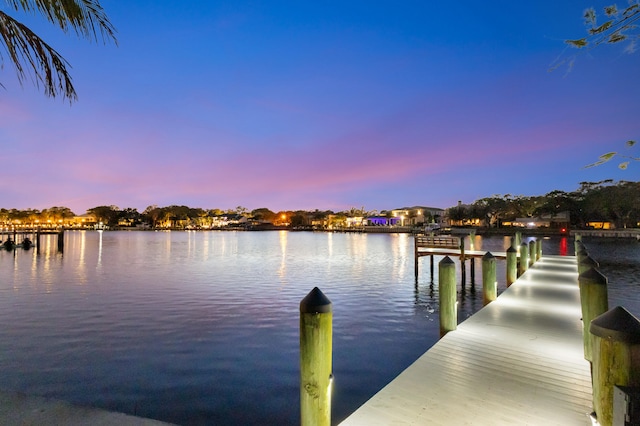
517, 361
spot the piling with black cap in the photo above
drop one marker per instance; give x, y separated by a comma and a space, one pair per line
616, 358
489, 284
448, 295
532, 252
524, 258
586, 263
577, 243
594, 301
316, 336
512, 265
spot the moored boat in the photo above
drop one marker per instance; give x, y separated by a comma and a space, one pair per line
9, 244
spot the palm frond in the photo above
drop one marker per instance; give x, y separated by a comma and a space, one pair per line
85, 17
24, 47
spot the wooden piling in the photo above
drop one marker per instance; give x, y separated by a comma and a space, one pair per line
586, 263
472, 268
61, 240
431, 261
512, 265
463, 265
581, 254
448, 295
577, 243
518, 239
616, 359
593, 301
489, 284
532, 252
524, 258
316, 333
415, 258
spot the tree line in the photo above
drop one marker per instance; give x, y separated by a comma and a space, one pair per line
604, 201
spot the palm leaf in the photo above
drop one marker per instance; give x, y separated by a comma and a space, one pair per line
25, 47
85, 17
582, 42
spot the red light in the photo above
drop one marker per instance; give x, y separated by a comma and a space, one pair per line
564, 230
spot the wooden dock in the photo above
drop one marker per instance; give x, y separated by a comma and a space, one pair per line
447, 245
517, 361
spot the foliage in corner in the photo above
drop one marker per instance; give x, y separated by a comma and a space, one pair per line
32, 57
610, 155
619, 26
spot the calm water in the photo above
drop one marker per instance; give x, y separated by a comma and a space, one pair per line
202, 327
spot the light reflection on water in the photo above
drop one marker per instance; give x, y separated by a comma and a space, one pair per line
202, 327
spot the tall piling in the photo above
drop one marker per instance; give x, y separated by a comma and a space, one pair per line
532, 252
616, 361
316, 336
448, 295
512, 265
524, 258
489, 284
593, 301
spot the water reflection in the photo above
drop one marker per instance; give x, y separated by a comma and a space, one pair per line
282, 271
100, 232
197, 327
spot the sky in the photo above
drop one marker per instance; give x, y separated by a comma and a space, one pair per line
295, 105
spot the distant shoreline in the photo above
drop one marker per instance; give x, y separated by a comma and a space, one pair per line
585, 233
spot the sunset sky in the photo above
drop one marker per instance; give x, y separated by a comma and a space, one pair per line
329, 105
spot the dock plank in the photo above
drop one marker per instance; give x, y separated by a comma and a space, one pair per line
517, 361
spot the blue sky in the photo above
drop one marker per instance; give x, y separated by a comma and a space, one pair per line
329, 105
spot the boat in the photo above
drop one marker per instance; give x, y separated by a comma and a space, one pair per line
9, 244
26, 243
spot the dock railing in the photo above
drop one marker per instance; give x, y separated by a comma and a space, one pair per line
437, 241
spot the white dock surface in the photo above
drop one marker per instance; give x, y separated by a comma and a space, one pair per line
518, 361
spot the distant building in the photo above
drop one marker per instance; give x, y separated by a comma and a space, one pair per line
382, 221
558, 220
86, 220
418, 216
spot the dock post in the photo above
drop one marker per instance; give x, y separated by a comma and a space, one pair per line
472, 268
415, 256
539, 249
581, 254
463, 265
524, 258
431, 261
38, 240
532, 252
518, 239
316, 332
593, 301
489, 286
577, 243
587, 263
512, 265
61, 240
616, 360
448, 295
